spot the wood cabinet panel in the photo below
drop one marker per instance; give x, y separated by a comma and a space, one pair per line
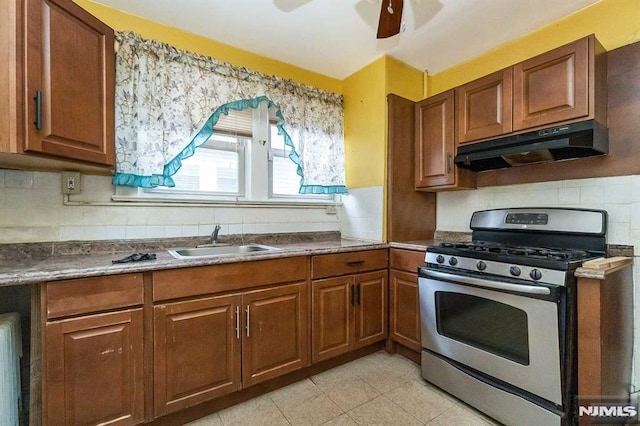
406, 260
371, 311
404, 203
70, 62
331, 265
332, 328
435, 146
404, 310
348, 312
483, 107
86, 295
58, 80
553, 87
187, 282
197, 351
93, 370
276, 333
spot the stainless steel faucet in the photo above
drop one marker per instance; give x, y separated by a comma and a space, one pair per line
214, 235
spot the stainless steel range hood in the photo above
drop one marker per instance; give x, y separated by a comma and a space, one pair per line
575, 140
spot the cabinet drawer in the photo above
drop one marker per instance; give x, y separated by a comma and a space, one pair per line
331, 265
406, 260
187, 282
81, 296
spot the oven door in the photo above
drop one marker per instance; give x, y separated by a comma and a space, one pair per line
503, 330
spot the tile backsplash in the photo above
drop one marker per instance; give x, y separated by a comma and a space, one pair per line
619, 196
32, 210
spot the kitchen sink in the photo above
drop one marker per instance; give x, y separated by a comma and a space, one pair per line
218, 250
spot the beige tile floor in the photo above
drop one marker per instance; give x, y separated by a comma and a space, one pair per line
379, 389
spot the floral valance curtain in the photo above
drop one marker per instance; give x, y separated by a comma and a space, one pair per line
168, 101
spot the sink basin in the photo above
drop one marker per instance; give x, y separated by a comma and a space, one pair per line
218, 250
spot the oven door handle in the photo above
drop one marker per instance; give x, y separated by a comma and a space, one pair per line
528, 289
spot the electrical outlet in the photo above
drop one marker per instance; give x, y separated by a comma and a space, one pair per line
331, 210
70, 182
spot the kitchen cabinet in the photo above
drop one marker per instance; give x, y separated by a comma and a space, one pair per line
404, 203
211, 345
483, 107
435, 146
605, 330
57, 80
564, 85
404, 306
349, 302
92, 359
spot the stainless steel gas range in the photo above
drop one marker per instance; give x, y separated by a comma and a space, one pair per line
498, 313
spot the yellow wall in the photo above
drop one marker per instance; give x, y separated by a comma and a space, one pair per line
365, 116
364, 125
615, 23
122, 21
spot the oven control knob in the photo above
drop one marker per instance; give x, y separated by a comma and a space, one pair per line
453, 261
440, 258
515, 271
535, 274
481, 265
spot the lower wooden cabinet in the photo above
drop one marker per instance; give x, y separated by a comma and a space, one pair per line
196, 351
404, 305
348, 312
212, 346
93, 370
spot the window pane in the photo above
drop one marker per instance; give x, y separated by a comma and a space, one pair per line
285, 179
210, 170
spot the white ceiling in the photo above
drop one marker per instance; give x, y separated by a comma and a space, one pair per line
338, 37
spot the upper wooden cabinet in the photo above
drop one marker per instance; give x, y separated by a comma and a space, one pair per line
558, 86
483, 107
563, 85
58, 77
436, 147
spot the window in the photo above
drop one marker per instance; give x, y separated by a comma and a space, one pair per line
244, 160
283, 173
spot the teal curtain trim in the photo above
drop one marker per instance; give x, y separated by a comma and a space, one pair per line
321, 189
127, 179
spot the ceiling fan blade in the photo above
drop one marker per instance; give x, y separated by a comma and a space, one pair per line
390, 18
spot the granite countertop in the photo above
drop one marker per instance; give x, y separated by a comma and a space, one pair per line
31, 269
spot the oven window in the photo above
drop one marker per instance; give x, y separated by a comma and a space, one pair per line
485, 324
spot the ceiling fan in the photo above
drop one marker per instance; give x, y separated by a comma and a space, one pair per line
390, 21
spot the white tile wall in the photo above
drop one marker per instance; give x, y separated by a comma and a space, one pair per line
619, 196
31, 210
361, 215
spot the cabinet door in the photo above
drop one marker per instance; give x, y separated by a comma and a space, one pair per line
435, 147
404, 309
276, 334
93, 370
332, 303
197, 351
483, 107
371, 312
70, 67
552, 87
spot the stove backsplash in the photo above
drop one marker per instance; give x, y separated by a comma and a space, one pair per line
619, 195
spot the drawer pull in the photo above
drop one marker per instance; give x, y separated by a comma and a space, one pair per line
38, 99
247, 320
355, 262
237, 322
